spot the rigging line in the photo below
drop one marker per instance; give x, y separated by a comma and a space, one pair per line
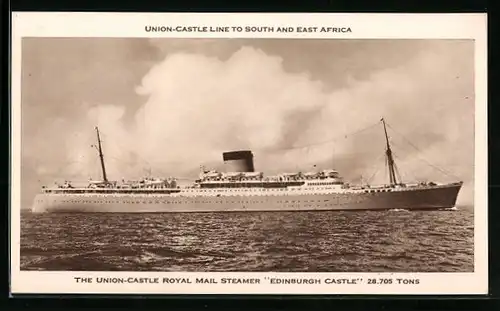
378, 166
122, 161
396, 168
401, 147
409, 153
116, 142
397, 172
406, 172
404, 138
421, 158
122, 148
437, 168
376, 162
141, 160
322, 142
375, 167
375, 173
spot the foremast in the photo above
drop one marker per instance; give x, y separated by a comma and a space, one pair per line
390, 159
101, 156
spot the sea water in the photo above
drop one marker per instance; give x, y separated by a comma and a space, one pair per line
337, 241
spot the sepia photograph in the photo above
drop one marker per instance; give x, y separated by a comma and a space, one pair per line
249, 153
245, 155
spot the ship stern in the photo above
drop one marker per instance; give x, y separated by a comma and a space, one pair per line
39, 204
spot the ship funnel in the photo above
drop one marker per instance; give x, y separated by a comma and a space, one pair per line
238, 161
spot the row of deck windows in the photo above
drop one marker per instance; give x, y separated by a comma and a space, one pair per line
189, 190
155, 202
288, 203
206, 191
378, 190
188, 202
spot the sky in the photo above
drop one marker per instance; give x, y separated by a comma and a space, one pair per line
166, 106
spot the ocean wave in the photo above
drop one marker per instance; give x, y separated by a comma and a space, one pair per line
387, 241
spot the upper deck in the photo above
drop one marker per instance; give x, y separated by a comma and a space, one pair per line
208, 180
214, 179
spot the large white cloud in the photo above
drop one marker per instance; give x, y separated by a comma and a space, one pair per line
198, 106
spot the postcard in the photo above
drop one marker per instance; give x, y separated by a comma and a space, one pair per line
249, 153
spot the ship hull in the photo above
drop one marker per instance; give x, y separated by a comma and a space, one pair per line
429, 198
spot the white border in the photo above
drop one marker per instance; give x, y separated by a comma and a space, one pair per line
407, 26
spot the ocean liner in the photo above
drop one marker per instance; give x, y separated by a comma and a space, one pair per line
241, 189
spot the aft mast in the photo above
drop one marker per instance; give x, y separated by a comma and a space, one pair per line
101, 156
390, 159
